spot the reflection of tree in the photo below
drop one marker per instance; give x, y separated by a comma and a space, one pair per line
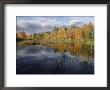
78, 49
81, 50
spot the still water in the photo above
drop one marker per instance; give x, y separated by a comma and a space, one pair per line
54, 59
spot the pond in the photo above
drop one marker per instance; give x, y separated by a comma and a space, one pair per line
54, 58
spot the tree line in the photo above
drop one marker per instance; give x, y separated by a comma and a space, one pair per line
63, 34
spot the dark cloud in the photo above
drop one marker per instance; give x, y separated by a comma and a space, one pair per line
33, 27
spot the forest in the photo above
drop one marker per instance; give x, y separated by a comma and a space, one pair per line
72, 34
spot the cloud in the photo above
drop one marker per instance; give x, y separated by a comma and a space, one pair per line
74, 21
37, 24
45, 23
33, 26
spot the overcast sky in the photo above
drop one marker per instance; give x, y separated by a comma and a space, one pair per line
39, 24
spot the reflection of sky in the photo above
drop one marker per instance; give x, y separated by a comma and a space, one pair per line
38, 24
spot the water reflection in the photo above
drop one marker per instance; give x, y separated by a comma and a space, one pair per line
54, 58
